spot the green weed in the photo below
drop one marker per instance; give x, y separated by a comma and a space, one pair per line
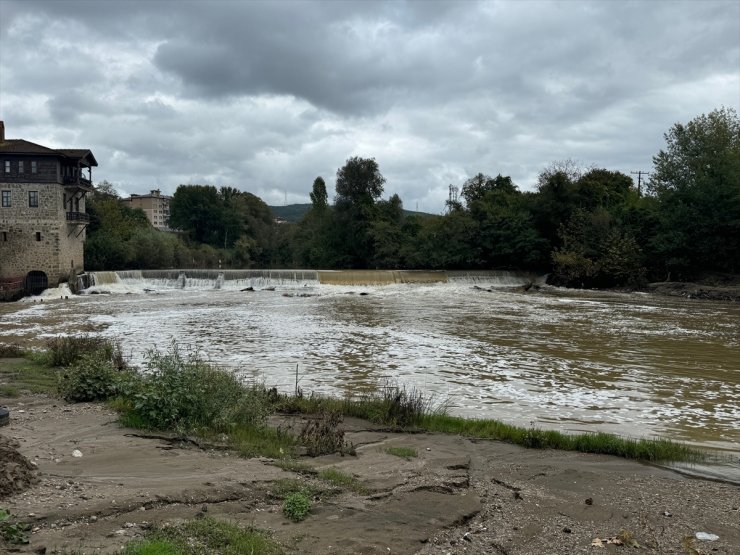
403, 452
297, 505
12, 531
204, 537
343, 480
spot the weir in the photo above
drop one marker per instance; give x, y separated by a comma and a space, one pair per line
218, 279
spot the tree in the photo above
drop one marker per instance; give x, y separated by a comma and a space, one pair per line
359, 185
359, 182
478, 186
704, 151
696, 181
318, 195
198, 211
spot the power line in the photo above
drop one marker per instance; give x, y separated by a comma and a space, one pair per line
639, 175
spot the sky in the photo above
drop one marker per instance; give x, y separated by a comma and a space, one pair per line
266, 96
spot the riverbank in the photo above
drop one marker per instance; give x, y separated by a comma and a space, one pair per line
101, 485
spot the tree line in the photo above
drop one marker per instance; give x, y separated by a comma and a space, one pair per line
586, 227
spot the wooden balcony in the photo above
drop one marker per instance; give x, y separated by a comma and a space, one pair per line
77, 218
78, 182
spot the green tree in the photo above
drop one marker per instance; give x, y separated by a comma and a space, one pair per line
198, 211
319, 197
696, 180
359, 182
359, 185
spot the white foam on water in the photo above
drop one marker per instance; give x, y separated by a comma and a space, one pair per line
607, 362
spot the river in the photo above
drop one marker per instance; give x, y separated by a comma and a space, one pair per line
632, 364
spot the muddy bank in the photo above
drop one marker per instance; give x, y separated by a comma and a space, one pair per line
696, 291
457, 496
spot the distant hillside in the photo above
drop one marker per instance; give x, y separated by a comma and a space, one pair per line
291, 213
294, 212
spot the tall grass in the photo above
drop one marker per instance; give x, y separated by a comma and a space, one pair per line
404, 409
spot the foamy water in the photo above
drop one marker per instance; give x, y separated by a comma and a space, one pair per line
571, 360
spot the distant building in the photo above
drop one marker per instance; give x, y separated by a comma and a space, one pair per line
155, 205
42, 214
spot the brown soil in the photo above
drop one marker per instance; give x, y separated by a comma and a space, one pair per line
16, 471
458, 495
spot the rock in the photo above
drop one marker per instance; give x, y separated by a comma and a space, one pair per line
77, 453
706, 537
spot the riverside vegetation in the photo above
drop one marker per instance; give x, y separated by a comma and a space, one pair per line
586, 227
194, 400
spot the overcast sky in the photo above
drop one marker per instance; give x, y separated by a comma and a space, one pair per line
265, 96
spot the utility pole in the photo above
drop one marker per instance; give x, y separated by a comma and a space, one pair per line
639, 175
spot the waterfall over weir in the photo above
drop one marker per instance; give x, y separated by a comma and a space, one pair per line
131, 281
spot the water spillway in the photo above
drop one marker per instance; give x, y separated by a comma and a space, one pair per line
129, 280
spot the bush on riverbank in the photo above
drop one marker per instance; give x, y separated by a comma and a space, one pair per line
66, 350
187, 395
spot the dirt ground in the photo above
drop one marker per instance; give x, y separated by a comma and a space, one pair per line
458, 495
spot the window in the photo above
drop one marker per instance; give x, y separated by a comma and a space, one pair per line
33, 199
34, 166
20, 166
5, 236
38, 236
7, 166
6, 199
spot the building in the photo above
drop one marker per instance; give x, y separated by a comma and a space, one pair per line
155, 205
42, 214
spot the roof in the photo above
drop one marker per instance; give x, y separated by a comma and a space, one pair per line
79, 153
20, 146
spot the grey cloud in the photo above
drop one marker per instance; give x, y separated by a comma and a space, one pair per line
267, 95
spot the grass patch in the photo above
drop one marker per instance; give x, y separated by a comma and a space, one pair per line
251, 441
11, 350
290, 464
391, 405
19, 375
342, 480
402, 408
204, 536
9, 391
534, 438
403, 452
285, 486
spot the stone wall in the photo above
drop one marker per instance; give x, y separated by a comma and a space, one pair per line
39, 238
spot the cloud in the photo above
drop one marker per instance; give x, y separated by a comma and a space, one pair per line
265, 96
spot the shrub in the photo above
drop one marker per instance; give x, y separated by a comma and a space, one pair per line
323, 436
93, 377
11, 351
398, 406
296, 506
65, 350
186, 393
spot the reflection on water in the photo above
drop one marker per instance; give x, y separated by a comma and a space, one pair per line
583, 361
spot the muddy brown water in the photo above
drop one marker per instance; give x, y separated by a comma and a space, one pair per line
633, 364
